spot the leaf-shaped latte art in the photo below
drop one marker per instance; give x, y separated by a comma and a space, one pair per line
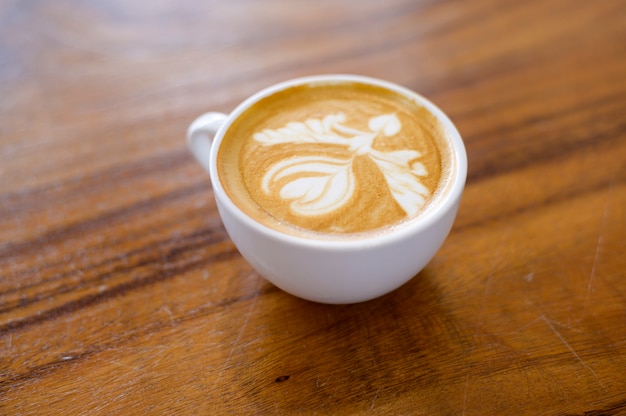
387, 123
311, 131
401, 177
315, 185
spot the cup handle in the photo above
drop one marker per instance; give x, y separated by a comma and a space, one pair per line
200, 136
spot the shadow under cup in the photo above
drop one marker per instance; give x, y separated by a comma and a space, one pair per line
336, 148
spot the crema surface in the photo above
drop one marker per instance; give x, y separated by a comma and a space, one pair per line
333, 160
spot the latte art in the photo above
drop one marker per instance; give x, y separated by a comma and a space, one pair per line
333, 160
320, 184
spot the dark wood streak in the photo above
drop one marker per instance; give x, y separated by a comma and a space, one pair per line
550, 149
150, 255
553, 200
110, 243
9, 379
615, 409
102, 220
91, 183
612, 100
119, 290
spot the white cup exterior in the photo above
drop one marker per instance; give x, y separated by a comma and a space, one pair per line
332, 271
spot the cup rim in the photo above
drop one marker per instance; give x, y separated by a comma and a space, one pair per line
446, 202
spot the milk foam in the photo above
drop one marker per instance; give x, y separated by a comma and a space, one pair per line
320, 184
316, 185
334, 160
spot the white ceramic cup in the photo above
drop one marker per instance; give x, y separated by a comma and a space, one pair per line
332, 271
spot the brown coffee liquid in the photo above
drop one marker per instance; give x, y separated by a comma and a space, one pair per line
334, 160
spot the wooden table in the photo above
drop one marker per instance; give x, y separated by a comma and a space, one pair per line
121, 293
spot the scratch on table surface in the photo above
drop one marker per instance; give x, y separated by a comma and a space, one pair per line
512, 332
120, 364
158, 351
569, 347
494, 263
598, 245
465, 393
320, 385
375, 398
167, 310
241, 331
96, 397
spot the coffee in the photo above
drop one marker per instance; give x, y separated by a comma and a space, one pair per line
335, 160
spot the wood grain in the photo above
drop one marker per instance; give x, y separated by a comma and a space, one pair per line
121, 293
